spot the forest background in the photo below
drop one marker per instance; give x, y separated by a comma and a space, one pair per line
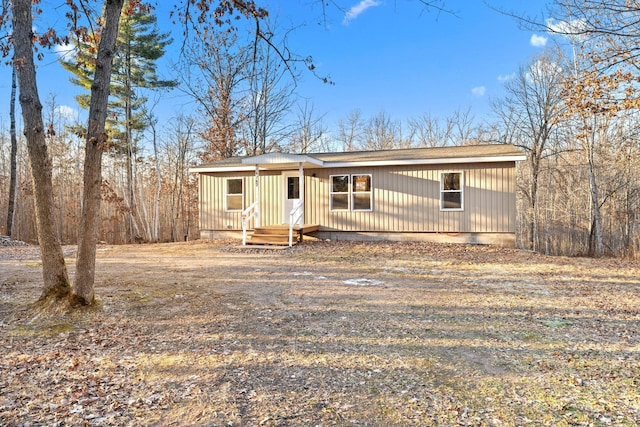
572, 108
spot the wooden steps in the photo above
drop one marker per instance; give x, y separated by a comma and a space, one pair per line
278, 234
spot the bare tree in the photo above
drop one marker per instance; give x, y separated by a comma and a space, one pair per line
242, 87
350, 130
270, 97
153, 122
83, 285
602, 38
464, 131
530, 113
612, 26
179, 151
309, 132
382, 133
65, 174
13, 155
429, 131
55, 278
214, 74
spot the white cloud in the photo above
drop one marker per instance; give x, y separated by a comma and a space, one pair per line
538, 41
479, 90
66, 112
358, 9
507, 77
542, 68
573, 27
64, 52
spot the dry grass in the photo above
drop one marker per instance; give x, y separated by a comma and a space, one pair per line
326, 334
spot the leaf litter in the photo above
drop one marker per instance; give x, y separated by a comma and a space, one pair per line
329, 333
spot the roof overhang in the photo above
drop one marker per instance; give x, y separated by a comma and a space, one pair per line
269, 161
289, 161
283, 161
232, 168
433, 161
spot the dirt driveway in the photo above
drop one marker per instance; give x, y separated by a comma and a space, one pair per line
329, 333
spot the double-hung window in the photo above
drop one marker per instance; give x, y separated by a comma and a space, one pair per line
235, 195
339, 193
451, 191
361, 192
350, 192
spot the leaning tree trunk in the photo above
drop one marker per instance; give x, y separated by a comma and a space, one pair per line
13, 155
83, 286
54, 270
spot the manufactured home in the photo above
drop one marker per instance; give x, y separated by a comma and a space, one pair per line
461, 194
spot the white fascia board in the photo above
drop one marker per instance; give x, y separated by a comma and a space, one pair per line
444, 161
203, 169
282, 159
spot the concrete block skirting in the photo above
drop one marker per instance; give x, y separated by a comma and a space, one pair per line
507, 240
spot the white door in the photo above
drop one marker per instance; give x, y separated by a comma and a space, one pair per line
291, 191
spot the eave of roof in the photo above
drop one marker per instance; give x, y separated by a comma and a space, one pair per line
283, 161
411, 156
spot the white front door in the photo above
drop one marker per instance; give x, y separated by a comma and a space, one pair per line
291, 190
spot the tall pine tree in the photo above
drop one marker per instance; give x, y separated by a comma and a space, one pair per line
138, 47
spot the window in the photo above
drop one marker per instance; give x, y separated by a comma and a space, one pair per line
361, 192
293, 187
339, 192
235, 197
350, 192
451, 191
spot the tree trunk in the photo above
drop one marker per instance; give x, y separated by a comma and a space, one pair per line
534, 233
83, 286
596, 231
54, 270
131, 226
132, 233
156, 220
142, 213
13, 155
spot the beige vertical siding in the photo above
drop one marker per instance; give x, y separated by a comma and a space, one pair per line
212, 193
405, 199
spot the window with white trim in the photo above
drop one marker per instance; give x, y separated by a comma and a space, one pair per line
361, 193
350, 192
451, 191
235, 195
339, 192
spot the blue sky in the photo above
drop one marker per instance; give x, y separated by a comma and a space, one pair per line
391, 55
398, 57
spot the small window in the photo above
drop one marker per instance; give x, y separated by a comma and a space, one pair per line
235, 197
339, 193
361, 193
293, 188
451, 191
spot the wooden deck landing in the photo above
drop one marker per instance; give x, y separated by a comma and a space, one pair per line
278, 234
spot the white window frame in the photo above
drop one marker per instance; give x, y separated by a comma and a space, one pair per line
443, 191
350, 193
227, 195
354, 192
332, 193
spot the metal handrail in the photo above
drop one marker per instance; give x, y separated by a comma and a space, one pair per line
294, 217
247, 214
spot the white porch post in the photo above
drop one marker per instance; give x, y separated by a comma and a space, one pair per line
301, 195
257, 190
